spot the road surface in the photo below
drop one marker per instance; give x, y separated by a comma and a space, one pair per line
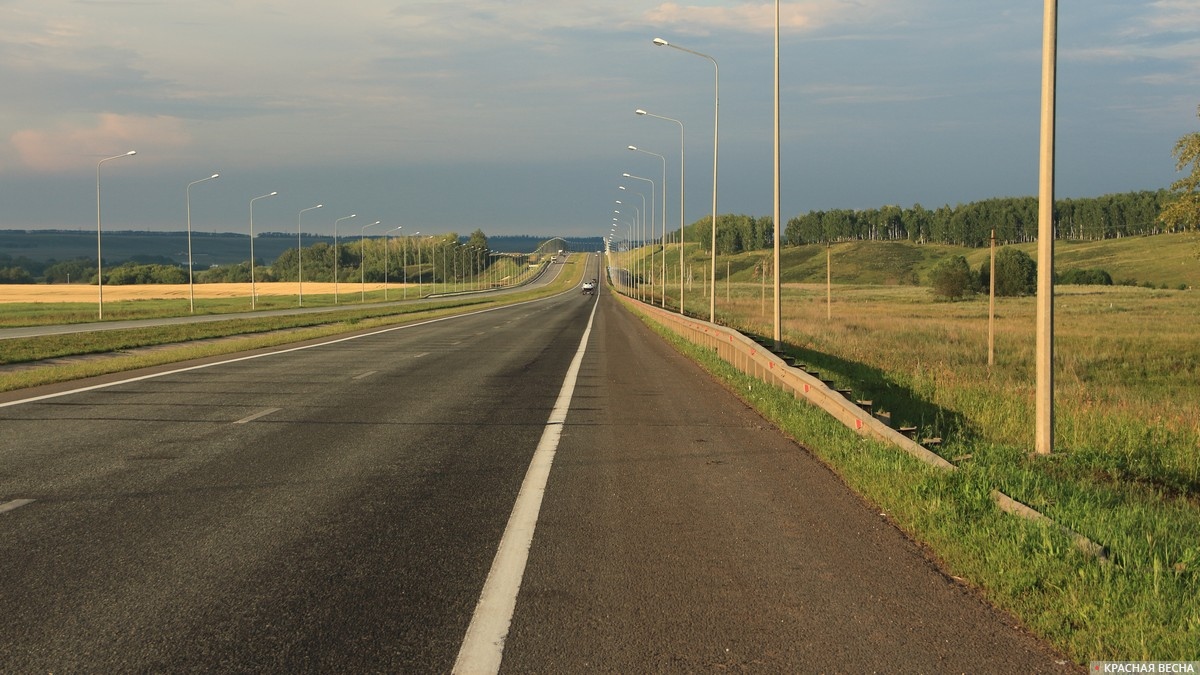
338, 508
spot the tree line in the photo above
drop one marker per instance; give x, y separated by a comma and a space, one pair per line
1014, 219
430, 259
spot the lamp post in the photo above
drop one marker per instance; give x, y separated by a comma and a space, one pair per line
776, 216
662, 220
682, 187
191, 267
419, 285
336, 252
253, 287
406, 262
712, 298
651, 182
639, 225
99, 254
362, 265
386, 247
300, 256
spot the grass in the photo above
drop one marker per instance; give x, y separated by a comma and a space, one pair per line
1143, 605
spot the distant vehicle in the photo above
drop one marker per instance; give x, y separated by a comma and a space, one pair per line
589, 287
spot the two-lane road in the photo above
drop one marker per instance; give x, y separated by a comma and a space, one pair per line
337, 509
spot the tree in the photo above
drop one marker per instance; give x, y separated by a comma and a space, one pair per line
1184, 210
952, 278
1016, 272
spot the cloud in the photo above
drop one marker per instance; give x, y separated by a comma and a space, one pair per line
71, 146
757, 17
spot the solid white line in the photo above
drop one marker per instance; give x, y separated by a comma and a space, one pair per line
15, 504
364, 375
257, 415
421, 355
483, 645
94, 387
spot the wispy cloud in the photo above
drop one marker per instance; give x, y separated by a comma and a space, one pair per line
759, 16
68, 146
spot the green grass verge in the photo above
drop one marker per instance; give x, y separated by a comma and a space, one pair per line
1142, 606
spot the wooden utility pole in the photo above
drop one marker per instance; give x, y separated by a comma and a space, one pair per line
992, 306
829, 282
1044, 431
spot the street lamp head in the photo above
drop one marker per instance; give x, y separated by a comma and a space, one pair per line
639, 111
626, 175
215, 175
661, 42
272, 194
633, 147
130, 153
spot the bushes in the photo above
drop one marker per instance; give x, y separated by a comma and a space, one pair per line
952, 278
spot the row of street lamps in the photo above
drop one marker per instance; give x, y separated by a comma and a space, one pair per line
253, 279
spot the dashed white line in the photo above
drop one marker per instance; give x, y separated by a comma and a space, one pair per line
257, 415
15, 504
364, 375
422, 354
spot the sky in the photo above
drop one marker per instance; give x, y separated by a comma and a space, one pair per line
515, 116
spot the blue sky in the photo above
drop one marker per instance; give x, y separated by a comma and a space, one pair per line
514, 116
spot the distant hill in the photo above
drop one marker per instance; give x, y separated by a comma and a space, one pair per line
1165, 259
207, 248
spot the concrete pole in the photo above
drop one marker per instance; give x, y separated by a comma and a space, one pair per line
778, 335
1044, 432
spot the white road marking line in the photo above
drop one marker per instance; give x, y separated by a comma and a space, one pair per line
366, 374
15, 504
257, 415
421, 355
483, 645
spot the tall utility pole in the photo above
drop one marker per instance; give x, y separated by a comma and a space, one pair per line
1045, 293
778, 336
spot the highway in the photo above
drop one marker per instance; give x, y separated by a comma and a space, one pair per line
339, 508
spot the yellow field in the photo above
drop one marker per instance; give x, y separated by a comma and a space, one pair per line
87, 293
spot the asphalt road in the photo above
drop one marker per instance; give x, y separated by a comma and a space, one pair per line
338, 508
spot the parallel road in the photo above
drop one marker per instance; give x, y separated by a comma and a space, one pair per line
549, 274
338, 508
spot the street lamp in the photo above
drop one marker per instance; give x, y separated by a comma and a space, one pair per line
385, 260
253, 288
188, 200
663, 219
99, 255
300, 256
712, 298
651, 182
639, 225
362, 265
420, 289
682, 187
336, 252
